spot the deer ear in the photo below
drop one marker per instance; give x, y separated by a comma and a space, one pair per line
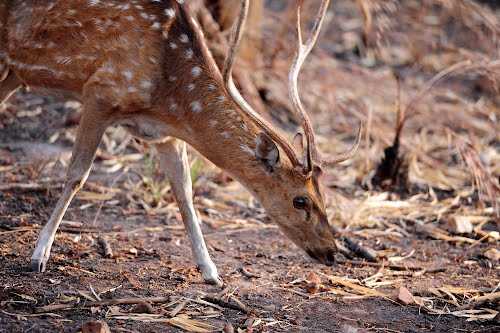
267, 151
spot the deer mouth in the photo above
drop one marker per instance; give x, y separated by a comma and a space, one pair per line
324, 256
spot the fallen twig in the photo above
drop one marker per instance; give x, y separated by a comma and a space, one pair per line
237, 305
480, 300
392, 266
29, 186
248, 274
107, 302
360, 250
353, 247
178, 308
16, 230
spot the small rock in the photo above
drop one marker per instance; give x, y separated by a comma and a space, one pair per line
95, 327
405, 296
142, 307
461, 225
492, 254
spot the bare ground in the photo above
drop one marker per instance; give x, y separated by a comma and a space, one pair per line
270, 285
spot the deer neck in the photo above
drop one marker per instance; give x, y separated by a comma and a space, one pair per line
228, 138
205, 115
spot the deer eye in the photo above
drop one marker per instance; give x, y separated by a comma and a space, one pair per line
301, 203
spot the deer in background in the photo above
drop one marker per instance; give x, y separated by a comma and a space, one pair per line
144, 65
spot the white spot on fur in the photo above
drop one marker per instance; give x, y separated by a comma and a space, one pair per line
184, 38
128, 75
196, 71
146, 84
170, 12
196, 106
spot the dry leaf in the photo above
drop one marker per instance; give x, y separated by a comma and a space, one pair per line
405, 296
313, 283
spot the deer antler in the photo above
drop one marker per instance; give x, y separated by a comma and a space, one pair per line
347, 155
235, 94
303, 51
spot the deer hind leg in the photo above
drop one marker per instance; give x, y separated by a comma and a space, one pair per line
173, 159
9, 82
90, 131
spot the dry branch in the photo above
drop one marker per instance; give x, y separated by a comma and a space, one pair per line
117, 301
236, 305
479, 301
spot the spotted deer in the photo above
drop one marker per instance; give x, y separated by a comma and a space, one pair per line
144, 65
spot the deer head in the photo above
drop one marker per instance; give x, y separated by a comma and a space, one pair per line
296, 201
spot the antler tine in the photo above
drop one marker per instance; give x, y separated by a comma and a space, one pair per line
235, 94
303, 51
349, 153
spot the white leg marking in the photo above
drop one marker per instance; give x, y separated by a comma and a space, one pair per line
174, 160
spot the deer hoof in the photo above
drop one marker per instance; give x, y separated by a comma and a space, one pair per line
211, 276
38, 265
217, 281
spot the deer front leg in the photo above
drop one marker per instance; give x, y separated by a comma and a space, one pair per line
89, 135
174, 160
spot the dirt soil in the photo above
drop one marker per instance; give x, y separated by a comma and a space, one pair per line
427, 279
152, 256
